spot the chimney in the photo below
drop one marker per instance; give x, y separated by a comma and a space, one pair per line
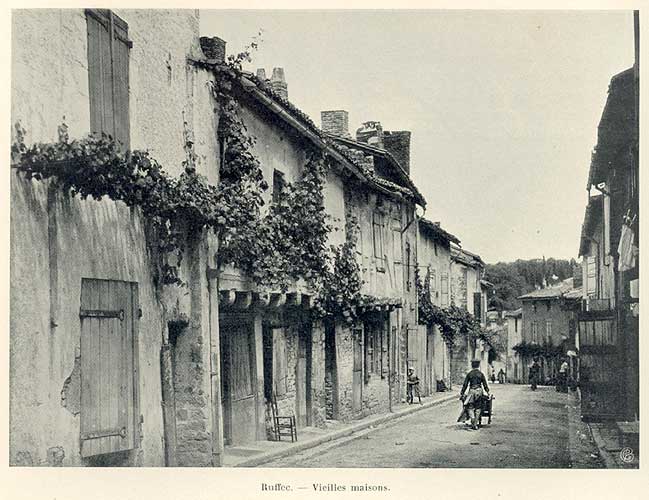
261, 74
278, 82
398, 144
213, 48
335, 123
370, 133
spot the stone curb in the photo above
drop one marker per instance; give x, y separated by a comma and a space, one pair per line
274, 455
603, 452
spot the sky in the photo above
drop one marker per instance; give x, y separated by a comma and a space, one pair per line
503, 106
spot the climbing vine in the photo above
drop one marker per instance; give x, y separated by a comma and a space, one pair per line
453, 321
533, 350
276, 249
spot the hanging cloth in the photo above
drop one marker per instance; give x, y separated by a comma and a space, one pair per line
626, 249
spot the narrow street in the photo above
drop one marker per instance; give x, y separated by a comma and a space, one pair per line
528, 430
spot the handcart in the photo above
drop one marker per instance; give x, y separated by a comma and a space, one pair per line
487, 408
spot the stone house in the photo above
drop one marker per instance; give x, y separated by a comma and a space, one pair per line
383, 338
434, 265
80, 269
515, 368
469, 292
608, 319
548, 322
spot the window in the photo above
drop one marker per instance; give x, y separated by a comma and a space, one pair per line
279, 182
548, 329
535, 335
375, 345
108, 67
548, 305
377, 238
109, 413
443, 285
591, 273
408, 265
433, 282
516, 324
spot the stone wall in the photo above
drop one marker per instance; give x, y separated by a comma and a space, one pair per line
70, 239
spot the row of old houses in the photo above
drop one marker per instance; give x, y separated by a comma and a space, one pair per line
608, 315
592, 319
108, 366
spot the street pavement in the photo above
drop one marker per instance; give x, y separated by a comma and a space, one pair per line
529, 429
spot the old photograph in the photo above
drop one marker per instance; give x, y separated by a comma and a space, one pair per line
324, 239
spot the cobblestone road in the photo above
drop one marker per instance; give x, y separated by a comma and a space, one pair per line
529, 430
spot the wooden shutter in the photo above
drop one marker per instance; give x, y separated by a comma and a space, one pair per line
443, 284
109, 389
242, 385
108, 69
477, 306
376, 231
279, 361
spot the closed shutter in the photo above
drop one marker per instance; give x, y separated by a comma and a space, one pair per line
109, 398
477, 306
443, 284
108, 68
377, 236
280, 373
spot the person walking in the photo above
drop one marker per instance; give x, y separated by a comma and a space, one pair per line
535, 373
501, 376
474, 381
413, 386
562, 385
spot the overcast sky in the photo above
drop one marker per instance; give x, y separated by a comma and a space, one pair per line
503, 106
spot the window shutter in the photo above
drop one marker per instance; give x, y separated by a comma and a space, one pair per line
477, 305
279, 361
376, 230
109, 390
108, 68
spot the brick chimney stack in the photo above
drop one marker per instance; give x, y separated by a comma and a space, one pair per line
213, 48
370, 133
278, 82
261, 74
335, 122
398, 144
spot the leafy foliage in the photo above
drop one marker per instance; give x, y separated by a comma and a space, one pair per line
453, 321
533, 350
513, 279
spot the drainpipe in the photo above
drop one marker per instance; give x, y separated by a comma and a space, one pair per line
215, 367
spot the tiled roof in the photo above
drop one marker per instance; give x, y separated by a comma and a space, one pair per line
461, 255
552, 292
396, 167
249, 80
437, 230
517, 313
592, 215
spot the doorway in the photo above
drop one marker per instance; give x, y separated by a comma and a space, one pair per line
331, 372
238, 382
303, 385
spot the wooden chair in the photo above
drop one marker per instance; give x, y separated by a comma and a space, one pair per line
283, 425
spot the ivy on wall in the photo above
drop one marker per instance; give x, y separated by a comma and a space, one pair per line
286, 244
454, 322
533, 350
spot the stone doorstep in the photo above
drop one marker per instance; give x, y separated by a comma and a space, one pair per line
286, 448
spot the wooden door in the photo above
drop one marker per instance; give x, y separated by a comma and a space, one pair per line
239, 383
303, 378
109, 314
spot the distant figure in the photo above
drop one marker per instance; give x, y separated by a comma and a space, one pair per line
535, 373
413, 386
562, 384
493, 377
472, 403
501, 376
